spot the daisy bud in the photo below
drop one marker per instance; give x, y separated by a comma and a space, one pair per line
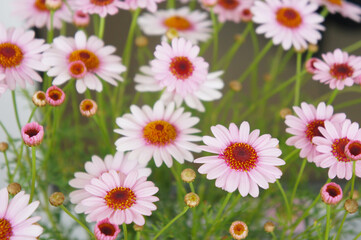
269, 227
246, 15
171, 34
353, 150
235, 85
54, 96
137, 228
88, 108
191, 200
32, 134
209, 3
53, 5
3, 146
81, 19
56, 199
312, 48
105, 230
301, 50
309, 65
141, 41
14, 188
238, 230
351, 206
39, 99
188, 175
284, 112
267, 77
331, 193
355, 194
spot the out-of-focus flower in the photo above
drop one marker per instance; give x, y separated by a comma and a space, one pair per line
191, 200
105, 230
160, 133
246, 15
150, 5
306, 125
81, 19
88, 107
56, 199
351, 206
100, 7
188, 175
309, 65
32, 134
288, 22
344, 7
269, 227
353, 150
3, 146
14, 188
54, 96
238, 230
243, 160
331, 193
39, 99
53, 4
208, 3
230, 10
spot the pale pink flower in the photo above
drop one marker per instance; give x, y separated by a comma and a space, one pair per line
54, 96
20, 56
243, 160
160, 133
310, 67
209, 90
345, 8
306, 125
14, 217
192, 25
95, 168
121, 198
36, 14
3, 85
353, 150
331, 193
238, 230
81, 19
288, 22
337, 69
66, 54
332, 148
150, 5
100, 7
231, 10
105, 230
32, 134
177, 67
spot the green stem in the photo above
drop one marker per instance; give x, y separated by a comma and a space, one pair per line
332, 97
125, 231
289, 213
170, 4
328, 214
353, 47
137, 235
215, 38
324, 12
353, 179
348, 103
32, 114
9, 138
10, 177
33, 172
101, 27
298, 79
16, 109
96, 24
340, 228
357, 237
192, 187
171, 222
178, 180
63, 29
254, 79
298, 181
50, 36
77, 220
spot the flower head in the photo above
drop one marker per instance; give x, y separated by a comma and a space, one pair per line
331, 193
105, 230
345, 8
243, 160
310, 67
150, 5
288, 22
14, 217
353, 150
54, 96
39, 99
191, 199
81, 19
32, 134
231, 10
351, 206
88, 107
160, 133
238, 230
14, 188
100, 7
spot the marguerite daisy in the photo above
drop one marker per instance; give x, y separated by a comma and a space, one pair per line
344, 7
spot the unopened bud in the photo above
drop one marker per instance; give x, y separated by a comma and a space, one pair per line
312, 48
14, 188
355, 194
284, 112
171, 34
39, 99
53, 5
235, 85
3, 146
141, 41
269, 227
137, 228
56, 199
351, 206
191, 199
81, 19
238, 230
88, 107
301, 50
188, 175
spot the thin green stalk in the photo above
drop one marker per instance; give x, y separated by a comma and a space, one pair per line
324, 12
193, 4
33, 173
18, 162
289, 213
170, 4
63, 29
340, 228
125, 231
32, 114
50, 36
16, 109
10, 177
332, 97
273, 235
298, 181
357, 236
215, 38
353, 179
137, 235
328, 220
254, 79
96, 24
348, 103
101, 27
353, 47
178, 180
77, 220
9, 138
298, 79
171, 222
192, 187
290, 155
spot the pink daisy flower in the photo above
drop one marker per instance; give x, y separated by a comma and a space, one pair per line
209, 90
161, 133
338, 69
150, 5
94, 169
121, 198
332, 148
32, 134
243, 160
288, 22
100, 7
178, 68
353, 150
104, 230
14, 217
344, 7
306, 125
331, 193
231, 10
20, 56
36, 14
192, 25
54, 96
86, 60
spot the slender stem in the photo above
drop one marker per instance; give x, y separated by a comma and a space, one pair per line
298, 181
9, 138
273, 235
289, 213
332, 97
137, 235
215, 38
10, 177
51, 30
63, 29
298, 79
77, 220
357, 237
178, 180
32, 114
353, 179
328, 214
348, 103
125, 231
170, 4
33, 172
171, 222
16, 109
101, 27
353, 47
192, 187
340, 228
254, 79
96, 24
324, 12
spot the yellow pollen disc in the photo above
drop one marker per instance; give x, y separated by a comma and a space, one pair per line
228, 4
55, 94
40, 5
178, 22
289, 17
120, 198
159, 133
5, 229
240, 157
89, 59
77, 68
312, 129
10, 55
238, 229
336, 2
101, 2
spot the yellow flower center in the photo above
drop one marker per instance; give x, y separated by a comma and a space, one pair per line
90, 60
178, 22
5, 229
101, 2
120, 198
40, 5
10, 55
336, 2
240, 157
159, 133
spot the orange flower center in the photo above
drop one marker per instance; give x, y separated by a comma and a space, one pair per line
5, 229
107, 229
312, 129
238, 229
341, 71
10, 55
228, 4
55, 94
336, 2
178, 22
288, 17
77, 69
159, 133
181, 67
333, 191
86, 105
338, 149
120, 198
40, 5
89, 59
240, 157
101, 2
